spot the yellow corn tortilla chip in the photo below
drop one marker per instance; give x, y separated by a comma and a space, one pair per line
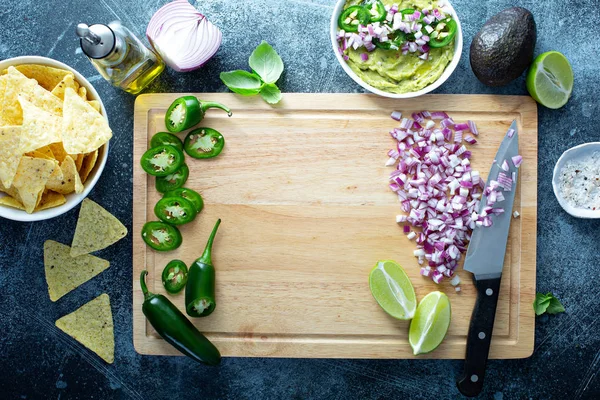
50, 199
92, 326
88, 165
96, 229
16, 83
79, 161
10, 153
47, 77
65, 273
67, 82
68, 181
47, 151
11, 202
95, 104
30, 180
40, 128
82, 92
2, 91
59, 151
11, 191
37, 154
45, 100
84, 129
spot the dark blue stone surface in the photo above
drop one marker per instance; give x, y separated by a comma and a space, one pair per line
38, 361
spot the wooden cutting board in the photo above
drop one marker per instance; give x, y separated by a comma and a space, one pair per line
302, 191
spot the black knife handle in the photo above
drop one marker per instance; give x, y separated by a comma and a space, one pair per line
480, 337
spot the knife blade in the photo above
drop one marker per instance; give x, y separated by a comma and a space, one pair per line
485, 259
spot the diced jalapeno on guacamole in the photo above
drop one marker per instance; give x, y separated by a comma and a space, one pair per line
162, 160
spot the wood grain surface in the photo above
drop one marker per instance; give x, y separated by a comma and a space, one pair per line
302, 191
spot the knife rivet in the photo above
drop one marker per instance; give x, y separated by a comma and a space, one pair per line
474, 378
481, 335
489, 292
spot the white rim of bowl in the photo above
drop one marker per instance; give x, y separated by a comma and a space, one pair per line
575, 212
441, 80
72, 199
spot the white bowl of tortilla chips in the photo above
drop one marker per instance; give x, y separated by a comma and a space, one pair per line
54, 137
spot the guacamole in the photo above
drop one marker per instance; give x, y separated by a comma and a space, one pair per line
391, 70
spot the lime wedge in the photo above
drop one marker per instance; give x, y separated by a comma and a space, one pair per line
392, 289
430, 324
550, 79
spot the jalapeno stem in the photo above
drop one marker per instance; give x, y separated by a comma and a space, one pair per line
205, 105
206, 256
147, 294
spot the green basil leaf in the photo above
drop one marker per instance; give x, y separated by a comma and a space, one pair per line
271, 93
242, 82
541, 303
555, 306
265, 61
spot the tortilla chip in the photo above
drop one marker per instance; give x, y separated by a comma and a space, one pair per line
68, 181
47, 77
65, 273
95, 104
47, 151
10, 153
11, 202
78, 161
11, 191
96, 229
40, 128
67, 82
88, 165
2, 91
82, 92
59, 151
50, 199
30, 180
37, 154
92, 326
84, 129
16, 83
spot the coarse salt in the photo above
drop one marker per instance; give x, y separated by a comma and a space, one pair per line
580, 182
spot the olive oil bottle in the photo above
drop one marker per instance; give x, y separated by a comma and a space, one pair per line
119, 56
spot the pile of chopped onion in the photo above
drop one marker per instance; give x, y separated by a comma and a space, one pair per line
439, 191
182, 36
396, 21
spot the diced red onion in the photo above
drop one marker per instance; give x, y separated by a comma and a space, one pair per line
364, 56
470, 139
505, 166
473, 128
517, 161
510, 133
461, 127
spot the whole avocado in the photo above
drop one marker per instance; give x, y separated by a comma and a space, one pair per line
503, 48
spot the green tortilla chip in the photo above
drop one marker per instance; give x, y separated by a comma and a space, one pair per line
96, 229
65, 273
92, 326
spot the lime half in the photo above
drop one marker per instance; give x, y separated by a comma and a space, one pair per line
430, 324
550, 79
392, 289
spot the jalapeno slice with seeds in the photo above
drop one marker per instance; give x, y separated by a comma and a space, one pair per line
162, 160
352, 17
444, 33
174, 276
173, 181
161, 236
175, 210
204, 143
166, 139
188, 194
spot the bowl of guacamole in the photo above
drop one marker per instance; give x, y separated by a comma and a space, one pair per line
397, 48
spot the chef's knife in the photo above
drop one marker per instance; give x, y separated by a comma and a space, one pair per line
485, 258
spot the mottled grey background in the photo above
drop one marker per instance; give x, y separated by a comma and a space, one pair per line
37, 361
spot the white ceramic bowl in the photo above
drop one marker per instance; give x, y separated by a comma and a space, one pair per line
575, 152
73, 199
458, 46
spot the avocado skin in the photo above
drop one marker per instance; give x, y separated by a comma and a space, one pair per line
503, 48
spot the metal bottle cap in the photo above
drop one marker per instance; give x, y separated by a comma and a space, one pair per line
97, 41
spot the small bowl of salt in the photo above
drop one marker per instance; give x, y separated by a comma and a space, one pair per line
576, 180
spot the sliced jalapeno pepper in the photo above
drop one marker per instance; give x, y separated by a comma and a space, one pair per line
377, 11
166, 139
162, 160
173, 181
188, 194
353, 16
200, 290
174, 276
161, 236
187, 111
175, 210
203, 143
446, 30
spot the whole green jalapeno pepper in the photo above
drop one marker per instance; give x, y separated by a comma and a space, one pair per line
188, 111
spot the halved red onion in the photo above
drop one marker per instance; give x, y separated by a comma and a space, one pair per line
183, 37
